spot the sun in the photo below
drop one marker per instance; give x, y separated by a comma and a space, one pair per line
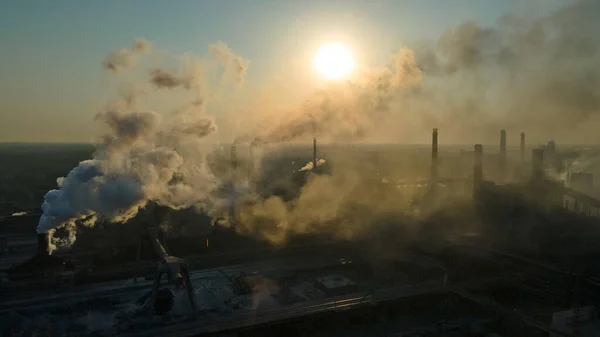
334, 61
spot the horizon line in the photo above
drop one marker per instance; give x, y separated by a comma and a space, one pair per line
302, 143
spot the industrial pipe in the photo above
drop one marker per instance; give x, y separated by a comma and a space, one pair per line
434, 158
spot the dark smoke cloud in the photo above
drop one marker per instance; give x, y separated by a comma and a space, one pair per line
126, 127
192, 73
141, 46
165, 79
463, 46
125, 58
542, 74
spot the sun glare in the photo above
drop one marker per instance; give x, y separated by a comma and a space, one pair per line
334, 61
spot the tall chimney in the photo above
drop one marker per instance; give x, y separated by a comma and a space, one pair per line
314, 153
502, 153
537, 172
478, 168
434, 159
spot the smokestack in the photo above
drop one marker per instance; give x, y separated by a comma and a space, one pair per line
502, 153
434, 159
314, 153
478, 168
537, 173
522, 147
42, 250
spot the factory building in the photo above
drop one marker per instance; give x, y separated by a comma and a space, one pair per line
520, 213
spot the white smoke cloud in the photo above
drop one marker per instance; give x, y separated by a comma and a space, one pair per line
540, 74
144, 156
234, 64
310, 165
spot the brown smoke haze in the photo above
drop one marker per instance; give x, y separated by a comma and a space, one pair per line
537, 75
125, 58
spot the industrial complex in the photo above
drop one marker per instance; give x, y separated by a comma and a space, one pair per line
508, 247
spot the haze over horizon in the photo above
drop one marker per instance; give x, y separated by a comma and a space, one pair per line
53, 83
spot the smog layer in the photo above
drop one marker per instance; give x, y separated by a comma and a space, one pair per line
538, 75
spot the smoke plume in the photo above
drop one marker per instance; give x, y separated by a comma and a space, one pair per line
310, 164
144, 156
538, 75
164, 79
351, 110
234, 64
125, 58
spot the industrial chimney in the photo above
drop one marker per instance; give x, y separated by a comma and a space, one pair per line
502, 159
434, 159
314, 153
478, 168
537, 173
522, 147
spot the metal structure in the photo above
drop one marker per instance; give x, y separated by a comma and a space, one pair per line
314, 153
434, 160
176, 269
502, 159
314, 144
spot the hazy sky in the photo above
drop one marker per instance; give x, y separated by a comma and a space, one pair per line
52, 82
